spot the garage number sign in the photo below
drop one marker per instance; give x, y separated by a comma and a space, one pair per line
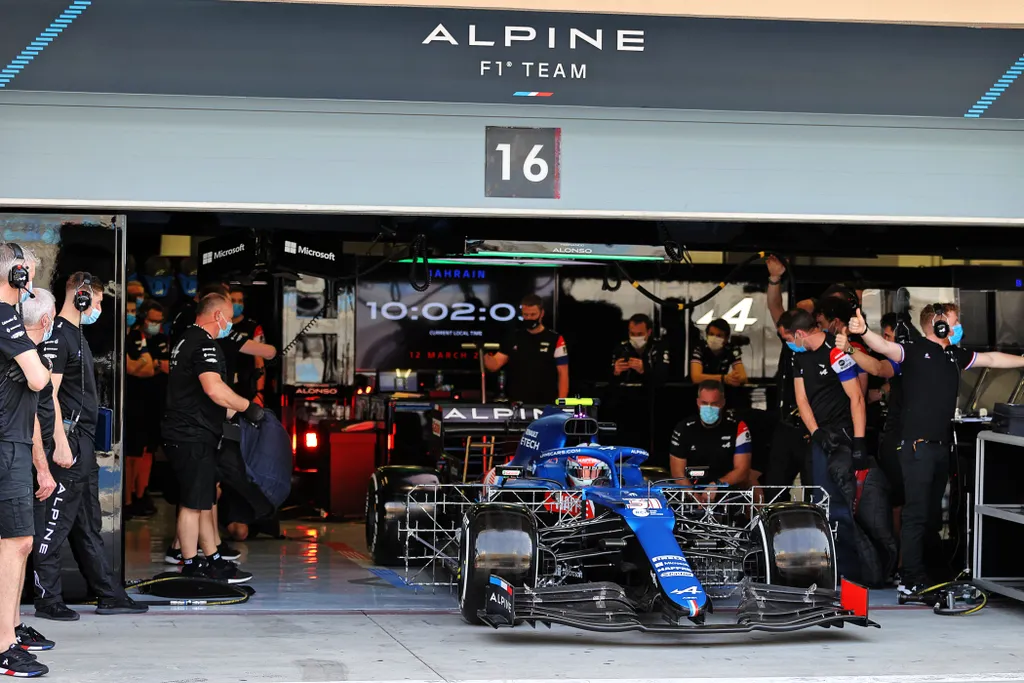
522, 162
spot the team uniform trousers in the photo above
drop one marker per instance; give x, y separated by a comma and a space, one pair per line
72, 513
925, 475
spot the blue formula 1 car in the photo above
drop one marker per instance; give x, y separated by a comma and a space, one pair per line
572, 532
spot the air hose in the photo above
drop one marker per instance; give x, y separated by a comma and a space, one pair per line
956, 598
686, 305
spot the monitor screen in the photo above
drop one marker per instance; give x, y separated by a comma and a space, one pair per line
399, 327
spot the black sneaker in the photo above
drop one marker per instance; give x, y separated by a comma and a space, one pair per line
123, 605
173, 556
223, 570
16, 662
144, 506
227, 552
57, 611
32, 640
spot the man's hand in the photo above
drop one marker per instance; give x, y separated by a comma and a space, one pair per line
732, 379
857, 324
254, 413
621, 366
826, 440
46, 483
62, 453
843, 343
636, 365
776, 268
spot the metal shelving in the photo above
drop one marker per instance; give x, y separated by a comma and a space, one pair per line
987, 510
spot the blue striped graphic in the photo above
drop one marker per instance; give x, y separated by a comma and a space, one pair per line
18, 64
997, 89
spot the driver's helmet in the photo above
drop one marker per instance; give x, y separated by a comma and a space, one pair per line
584, 471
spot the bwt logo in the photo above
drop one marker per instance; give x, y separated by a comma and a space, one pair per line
293, 248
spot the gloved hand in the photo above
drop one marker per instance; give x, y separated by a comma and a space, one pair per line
859, 453
254, 413
827, 440
15, 373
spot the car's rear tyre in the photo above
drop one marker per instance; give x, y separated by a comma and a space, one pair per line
793, 546
496, 539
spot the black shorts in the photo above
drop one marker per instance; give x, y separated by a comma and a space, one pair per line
17, 519
195, 466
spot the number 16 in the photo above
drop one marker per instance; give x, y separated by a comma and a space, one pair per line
532, 161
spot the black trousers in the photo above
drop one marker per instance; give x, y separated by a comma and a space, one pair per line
925, 475
72, 513
790, 455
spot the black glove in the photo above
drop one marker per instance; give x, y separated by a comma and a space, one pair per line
254, 413
15, 373
859, 453
827, 440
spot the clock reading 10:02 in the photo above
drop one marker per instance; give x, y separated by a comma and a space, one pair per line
437, 311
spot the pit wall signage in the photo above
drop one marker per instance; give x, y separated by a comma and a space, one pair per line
993, 13
583, 57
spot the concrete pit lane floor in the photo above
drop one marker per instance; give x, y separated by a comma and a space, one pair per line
322, 612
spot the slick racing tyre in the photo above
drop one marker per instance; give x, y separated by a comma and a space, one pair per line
793, 545
386, 497
499, 540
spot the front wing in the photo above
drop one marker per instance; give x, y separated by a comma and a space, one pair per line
604, 607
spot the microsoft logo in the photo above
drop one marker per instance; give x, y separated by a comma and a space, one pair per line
289, 247
208, 258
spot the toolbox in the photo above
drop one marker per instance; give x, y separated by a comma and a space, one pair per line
1008, 418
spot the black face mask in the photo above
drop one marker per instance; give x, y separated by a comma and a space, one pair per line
531, 324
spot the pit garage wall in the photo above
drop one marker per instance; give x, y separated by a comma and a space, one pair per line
91, 151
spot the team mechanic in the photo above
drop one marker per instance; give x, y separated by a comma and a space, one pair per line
714, 439
22, 375
640, 367
198, 400
537, 359
931, 368
831, 404
73, 511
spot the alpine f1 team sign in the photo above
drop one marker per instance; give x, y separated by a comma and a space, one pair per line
325, 50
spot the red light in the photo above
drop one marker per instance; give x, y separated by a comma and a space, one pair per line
311, 440
295, 444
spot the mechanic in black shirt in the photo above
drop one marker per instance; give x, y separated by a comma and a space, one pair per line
716, 358
147, 361
537, 359
246, 373
712, 439
73, 511
22, 374
640, 367
931, 367
198, 402
831, 404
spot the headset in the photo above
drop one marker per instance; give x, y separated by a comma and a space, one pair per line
18, 277
83, 295
940, 325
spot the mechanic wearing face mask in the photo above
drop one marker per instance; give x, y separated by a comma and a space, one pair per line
73, 511
147, 361
245, 371
537, 358
831, 404
640, 367
715, 358
712, 439
930, 366
198, 402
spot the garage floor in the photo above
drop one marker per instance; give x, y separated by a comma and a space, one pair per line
321, 612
